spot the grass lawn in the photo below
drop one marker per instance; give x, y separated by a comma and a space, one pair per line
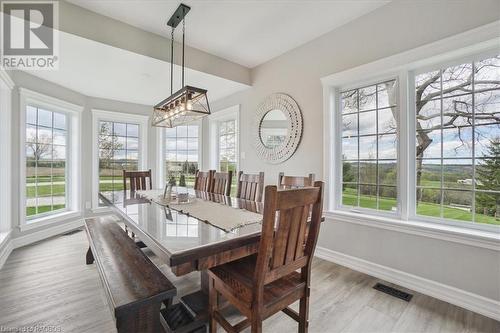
426, 209
45, 190
42, 209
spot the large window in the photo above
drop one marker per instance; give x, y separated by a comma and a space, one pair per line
369, 146
421, 142
118, 151
181, 154
46, 149
458, 142
228, 150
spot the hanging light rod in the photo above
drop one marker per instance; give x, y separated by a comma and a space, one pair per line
187, 104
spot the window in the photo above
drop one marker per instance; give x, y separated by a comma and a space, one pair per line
417, 140
369, 146
457, 161
118, 151
119, 143
50, 160
227, 149
46, 149
182, 154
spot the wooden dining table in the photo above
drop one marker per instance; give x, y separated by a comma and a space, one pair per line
185, 243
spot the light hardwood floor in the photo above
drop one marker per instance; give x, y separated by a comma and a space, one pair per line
48, 284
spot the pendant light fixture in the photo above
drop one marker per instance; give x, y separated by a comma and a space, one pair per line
187, 104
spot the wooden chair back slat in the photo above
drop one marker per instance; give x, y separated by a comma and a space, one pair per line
221, 183
137, 180
250, 186
288, 245
203, 180
288, 182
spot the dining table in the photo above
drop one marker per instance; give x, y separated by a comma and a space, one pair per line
183, 242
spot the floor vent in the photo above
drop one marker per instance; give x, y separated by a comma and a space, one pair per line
393, 292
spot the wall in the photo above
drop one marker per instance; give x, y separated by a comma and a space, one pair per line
25, 80
391, 29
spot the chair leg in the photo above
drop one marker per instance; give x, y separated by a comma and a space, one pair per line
256, 323
212, 305
89, 258
304, 314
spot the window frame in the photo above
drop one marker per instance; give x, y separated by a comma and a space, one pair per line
73, 158
215, 119
6, 87
120, 117
401, 66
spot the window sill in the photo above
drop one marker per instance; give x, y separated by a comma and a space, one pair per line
49, 220
472, 237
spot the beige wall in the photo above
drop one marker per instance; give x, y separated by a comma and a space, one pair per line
394, 28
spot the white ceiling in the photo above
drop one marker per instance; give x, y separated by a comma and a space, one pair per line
247, 32
99, 70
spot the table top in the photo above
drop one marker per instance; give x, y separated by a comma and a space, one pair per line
176, 237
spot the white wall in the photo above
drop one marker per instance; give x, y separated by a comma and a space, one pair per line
391, 29
25, 80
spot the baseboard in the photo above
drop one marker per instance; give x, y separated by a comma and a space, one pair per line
5, 250
467, 300
37, 236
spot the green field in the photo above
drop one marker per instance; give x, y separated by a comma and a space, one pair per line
426, 209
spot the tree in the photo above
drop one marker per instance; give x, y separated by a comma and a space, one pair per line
455, 81
182, 181
192, 169
41, 147
489, 179
108, 143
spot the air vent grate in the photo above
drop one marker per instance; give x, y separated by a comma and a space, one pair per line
393, 292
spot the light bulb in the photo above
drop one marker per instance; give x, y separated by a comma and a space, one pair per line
189, 105
182, 107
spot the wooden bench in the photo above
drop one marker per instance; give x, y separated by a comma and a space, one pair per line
134, 286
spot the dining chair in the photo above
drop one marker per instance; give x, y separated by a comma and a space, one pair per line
138, 180
287, 182
221, 183
265, 283
203, 180
250, 186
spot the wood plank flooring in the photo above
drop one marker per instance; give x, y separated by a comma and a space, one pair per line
48, 284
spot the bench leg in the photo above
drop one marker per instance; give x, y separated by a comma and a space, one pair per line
89, 257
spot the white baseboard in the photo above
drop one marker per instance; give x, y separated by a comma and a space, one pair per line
5, 249
36, 236
467, 300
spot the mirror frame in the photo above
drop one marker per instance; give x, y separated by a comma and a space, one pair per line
292, 112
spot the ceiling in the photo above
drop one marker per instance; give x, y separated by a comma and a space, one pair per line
247, 32
99, 70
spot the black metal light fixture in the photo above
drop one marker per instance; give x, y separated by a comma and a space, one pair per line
187, 104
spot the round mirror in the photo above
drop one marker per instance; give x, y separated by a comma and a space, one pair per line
273, 128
